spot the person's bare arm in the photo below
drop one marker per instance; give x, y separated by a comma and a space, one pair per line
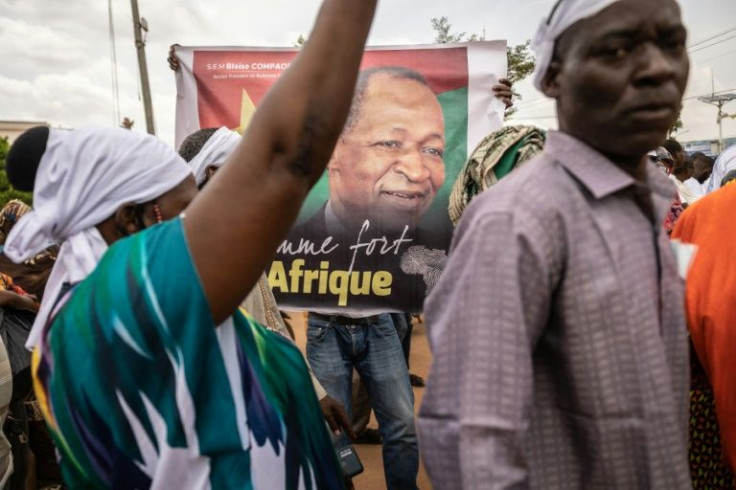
9, 299
235, 225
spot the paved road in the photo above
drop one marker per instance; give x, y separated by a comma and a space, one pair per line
372, 478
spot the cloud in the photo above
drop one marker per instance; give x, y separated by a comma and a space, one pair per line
69, 99
55, 56
37, 48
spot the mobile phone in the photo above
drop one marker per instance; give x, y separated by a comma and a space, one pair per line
346, 455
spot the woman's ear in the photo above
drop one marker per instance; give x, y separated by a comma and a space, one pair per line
122, 223
210, 171
127, 219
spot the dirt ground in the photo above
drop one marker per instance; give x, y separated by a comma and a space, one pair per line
372, 478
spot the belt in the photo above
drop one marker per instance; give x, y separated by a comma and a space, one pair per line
344, 320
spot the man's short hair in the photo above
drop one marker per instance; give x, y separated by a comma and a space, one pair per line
364, 78
24, 157
687, 165
673, 146
192, 144
704, 159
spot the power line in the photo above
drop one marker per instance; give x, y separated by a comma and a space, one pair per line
531, 118
718, 92
113, 65
529, 104
716, 57
526, 104
713, 44
537, 117
702, 41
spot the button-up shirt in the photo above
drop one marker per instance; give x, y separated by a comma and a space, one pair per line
558, 334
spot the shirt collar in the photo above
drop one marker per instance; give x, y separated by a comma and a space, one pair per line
597, 173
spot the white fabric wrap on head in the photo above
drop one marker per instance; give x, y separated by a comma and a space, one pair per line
724, 164
565, 14
84, 176
214, 153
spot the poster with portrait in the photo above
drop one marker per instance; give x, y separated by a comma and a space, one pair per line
373, 234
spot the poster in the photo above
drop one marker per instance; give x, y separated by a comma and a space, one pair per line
374, 232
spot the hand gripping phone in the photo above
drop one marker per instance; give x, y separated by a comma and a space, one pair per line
346, 455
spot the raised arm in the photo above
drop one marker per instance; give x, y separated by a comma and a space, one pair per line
235, 225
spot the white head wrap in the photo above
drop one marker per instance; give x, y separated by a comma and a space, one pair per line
215, 152
83, 177
564, 14
725, 162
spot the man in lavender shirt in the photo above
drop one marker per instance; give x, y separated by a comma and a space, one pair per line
558, 332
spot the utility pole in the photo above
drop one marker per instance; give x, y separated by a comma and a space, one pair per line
719, 101
140, 45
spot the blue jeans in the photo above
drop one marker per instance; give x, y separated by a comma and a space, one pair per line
374, 350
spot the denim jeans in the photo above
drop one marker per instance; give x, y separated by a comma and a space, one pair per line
404, 327
374, 350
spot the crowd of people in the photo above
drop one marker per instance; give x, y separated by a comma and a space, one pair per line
580, 326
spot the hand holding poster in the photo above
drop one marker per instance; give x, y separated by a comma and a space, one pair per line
374, 232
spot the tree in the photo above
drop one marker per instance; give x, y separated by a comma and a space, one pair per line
7, 192
442, 28
677, 127
520, 59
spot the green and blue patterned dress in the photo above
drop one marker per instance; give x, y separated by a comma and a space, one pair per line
141, 390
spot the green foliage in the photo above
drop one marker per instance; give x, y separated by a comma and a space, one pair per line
520, 66
7, 192
442, 28
677, 127
520, 59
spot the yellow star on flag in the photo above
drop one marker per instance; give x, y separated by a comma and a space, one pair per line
247, 109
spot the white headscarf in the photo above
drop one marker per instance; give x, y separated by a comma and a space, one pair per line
214, 153
564, 14
725, 162
84, 176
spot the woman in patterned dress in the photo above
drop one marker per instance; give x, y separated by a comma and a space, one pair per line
147, 373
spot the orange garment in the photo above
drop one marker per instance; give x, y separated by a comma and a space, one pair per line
711, 301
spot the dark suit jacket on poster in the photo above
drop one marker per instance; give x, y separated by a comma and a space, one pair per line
413, 264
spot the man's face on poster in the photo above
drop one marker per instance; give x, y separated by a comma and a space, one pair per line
389, 165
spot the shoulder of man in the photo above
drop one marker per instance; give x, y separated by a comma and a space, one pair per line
541, 188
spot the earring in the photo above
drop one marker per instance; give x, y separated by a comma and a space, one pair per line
157, 212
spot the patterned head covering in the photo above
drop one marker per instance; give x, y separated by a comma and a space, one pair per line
9, 216
662, 158
725, 163
494, 158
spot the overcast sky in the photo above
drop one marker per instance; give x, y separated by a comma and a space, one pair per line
55, 54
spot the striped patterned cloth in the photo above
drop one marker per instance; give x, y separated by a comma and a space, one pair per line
494, 158
141, 390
